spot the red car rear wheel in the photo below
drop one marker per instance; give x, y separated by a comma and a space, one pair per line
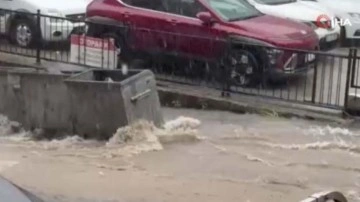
243, 68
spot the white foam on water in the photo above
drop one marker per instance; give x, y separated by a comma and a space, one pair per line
8, 127
67, 142
182, 129
258, 159
328, 130
11, 130
136, 138
182, 123
143, 136
248, 157
337, 144
244, 134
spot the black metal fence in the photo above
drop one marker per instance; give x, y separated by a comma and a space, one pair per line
303, 76
38, 35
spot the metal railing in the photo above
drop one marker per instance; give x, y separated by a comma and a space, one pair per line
194, 59
37, 35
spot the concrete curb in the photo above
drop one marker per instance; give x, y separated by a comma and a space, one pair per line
9, 59
30, 62
172, 96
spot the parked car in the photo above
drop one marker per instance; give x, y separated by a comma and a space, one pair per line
345, 11
199, 29
18, 19
303, 12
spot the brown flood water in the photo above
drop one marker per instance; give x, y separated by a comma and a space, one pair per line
235, 157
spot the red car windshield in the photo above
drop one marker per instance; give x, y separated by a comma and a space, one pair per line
234, 10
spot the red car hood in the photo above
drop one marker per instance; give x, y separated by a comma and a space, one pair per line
272, 28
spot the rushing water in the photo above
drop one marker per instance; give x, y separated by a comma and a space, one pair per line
282, 159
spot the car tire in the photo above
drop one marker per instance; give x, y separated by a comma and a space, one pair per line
138, 64
243, 68
343, 40
278, 81
23, 33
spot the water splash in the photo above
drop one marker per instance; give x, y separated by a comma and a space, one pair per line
182, 129
11, 130
244, 134
143, 136
134, 139
8, 127
138, 137
67, 142
328, 130
182, 123
319, 145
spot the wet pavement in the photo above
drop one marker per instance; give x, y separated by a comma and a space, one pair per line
235, 157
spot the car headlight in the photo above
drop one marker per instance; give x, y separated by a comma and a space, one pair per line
55, 16
355, 15
273, 54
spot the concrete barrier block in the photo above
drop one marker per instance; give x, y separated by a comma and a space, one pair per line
103, 100
93, 104
35, 100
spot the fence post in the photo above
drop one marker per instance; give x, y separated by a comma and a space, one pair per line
38, 35
313, 95
351, 65
225, 74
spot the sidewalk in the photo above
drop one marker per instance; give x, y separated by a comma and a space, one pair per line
198, 97
30, 62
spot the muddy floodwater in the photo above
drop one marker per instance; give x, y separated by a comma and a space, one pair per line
208, 156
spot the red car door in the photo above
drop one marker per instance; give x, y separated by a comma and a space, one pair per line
147, 30
194, 38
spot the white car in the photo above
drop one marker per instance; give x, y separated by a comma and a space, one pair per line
347, 13
302, 12
18, 20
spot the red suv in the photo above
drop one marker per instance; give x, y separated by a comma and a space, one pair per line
206, 30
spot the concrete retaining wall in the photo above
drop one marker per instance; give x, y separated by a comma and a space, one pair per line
82, 105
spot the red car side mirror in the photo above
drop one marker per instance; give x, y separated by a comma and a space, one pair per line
205, 17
